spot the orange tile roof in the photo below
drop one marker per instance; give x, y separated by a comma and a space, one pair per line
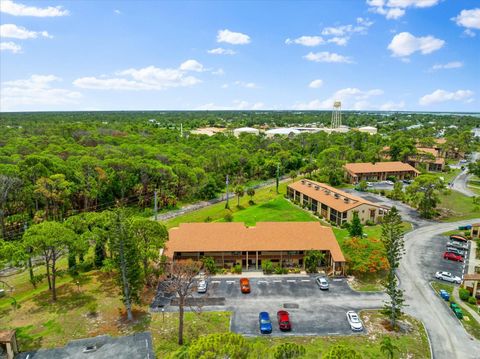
326, 194
265, 236
441, 141
431, 151
368, 167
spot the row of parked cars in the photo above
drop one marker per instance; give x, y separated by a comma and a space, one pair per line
457, 248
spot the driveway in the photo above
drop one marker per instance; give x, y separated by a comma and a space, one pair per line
449, 338
459, 184
312, 311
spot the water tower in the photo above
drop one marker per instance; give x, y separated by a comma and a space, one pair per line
337, 114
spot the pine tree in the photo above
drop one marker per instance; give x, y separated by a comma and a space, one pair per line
356, 228
392, 238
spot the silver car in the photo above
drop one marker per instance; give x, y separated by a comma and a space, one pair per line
202, 286
354, 321
457, 244
322, 283
448, 277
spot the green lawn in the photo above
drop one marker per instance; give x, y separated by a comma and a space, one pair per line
468, 322
275, 210
458, 207
474, 184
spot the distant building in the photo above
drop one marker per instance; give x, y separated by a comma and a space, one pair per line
476, 132
209, 131
135, 346
379, 171
230, 244
429, 157
238, 131
282, 132
333, 204
368, 129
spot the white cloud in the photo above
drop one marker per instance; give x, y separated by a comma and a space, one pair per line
470, 19
35, 91
10, 46
147, 78
306, 41
449, 65
351, 98
443, 96
341, 41
218, 72
15, 9
234, 38
248, 85
315, 84
192, 65
405, 44
392, 106
221, 51
116, 11
394, 9
236, 105
18, 32
326, 56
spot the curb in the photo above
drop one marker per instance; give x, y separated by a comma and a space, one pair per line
428, 338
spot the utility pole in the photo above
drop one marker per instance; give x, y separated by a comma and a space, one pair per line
227, 206
155, 206
278, 173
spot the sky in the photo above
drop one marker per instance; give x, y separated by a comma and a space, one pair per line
399, 55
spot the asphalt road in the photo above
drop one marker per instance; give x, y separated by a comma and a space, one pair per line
459, 184
449, 338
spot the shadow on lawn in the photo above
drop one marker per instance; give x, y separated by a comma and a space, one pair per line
69, 297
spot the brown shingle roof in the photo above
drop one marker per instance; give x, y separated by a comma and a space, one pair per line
368, 167
6, 336
473, 276
265, 236
326, 194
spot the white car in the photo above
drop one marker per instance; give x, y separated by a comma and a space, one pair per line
202, 286
448, 277
458, 244
389, 182
322, 283
369, 184
354, 321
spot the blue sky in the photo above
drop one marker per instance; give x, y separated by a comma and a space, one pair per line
154, 55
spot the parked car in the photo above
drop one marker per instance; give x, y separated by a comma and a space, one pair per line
245, 285
456, 251
369, 184
322, 283
444, 294
448, 277
389, 182
452, 256
264, 323
202, 286
407, 181
458, 238
284, 320
354, 321
457, 244
456, 310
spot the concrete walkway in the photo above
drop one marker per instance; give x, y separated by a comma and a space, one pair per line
472, 260
456, 296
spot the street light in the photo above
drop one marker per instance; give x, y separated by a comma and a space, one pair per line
163, 314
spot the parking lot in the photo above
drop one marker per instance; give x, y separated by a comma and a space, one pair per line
432, 258
312, 311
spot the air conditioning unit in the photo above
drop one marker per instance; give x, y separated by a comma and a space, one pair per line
303, 181
309, 184
346, 200
336, 195
317, 188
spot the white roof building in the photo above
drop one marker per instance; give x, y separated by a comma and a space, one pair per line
282, 131
368, 129
238, 131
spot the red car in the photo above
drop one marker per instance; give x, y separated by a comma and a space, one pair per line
452, 257
245, 285
284, 320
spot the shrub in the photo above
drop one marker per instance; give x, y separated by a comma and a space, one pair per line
86, 266
251, 202
288, 351
267, 267
464, 294
92, 308
209, 265
228, 217
208, 219
237, 269
472, 300
280, 270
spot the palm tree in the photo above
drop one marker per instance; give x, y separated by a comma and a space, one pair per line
251, 193
240, 192
388, 348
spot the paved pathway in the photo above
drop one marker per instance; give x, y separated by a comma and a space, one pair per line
459, 184
464, 306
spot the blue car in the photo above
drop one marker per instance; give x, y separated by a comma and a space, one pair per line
265, 323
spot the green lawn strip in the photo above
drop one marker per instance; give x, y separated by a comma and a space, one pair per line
474, 185
217, 211
448, 176
470, 325
459, 206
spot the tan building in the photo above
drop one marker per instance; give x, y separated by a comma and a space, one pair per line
333, 204
380, 171
429, 157
229, 244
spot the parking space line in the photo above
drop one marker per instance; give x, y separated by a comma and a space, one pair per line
262, 282
277, 281
230, 281
337, 279
291, 280
215, 281
333, 333
305, 280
